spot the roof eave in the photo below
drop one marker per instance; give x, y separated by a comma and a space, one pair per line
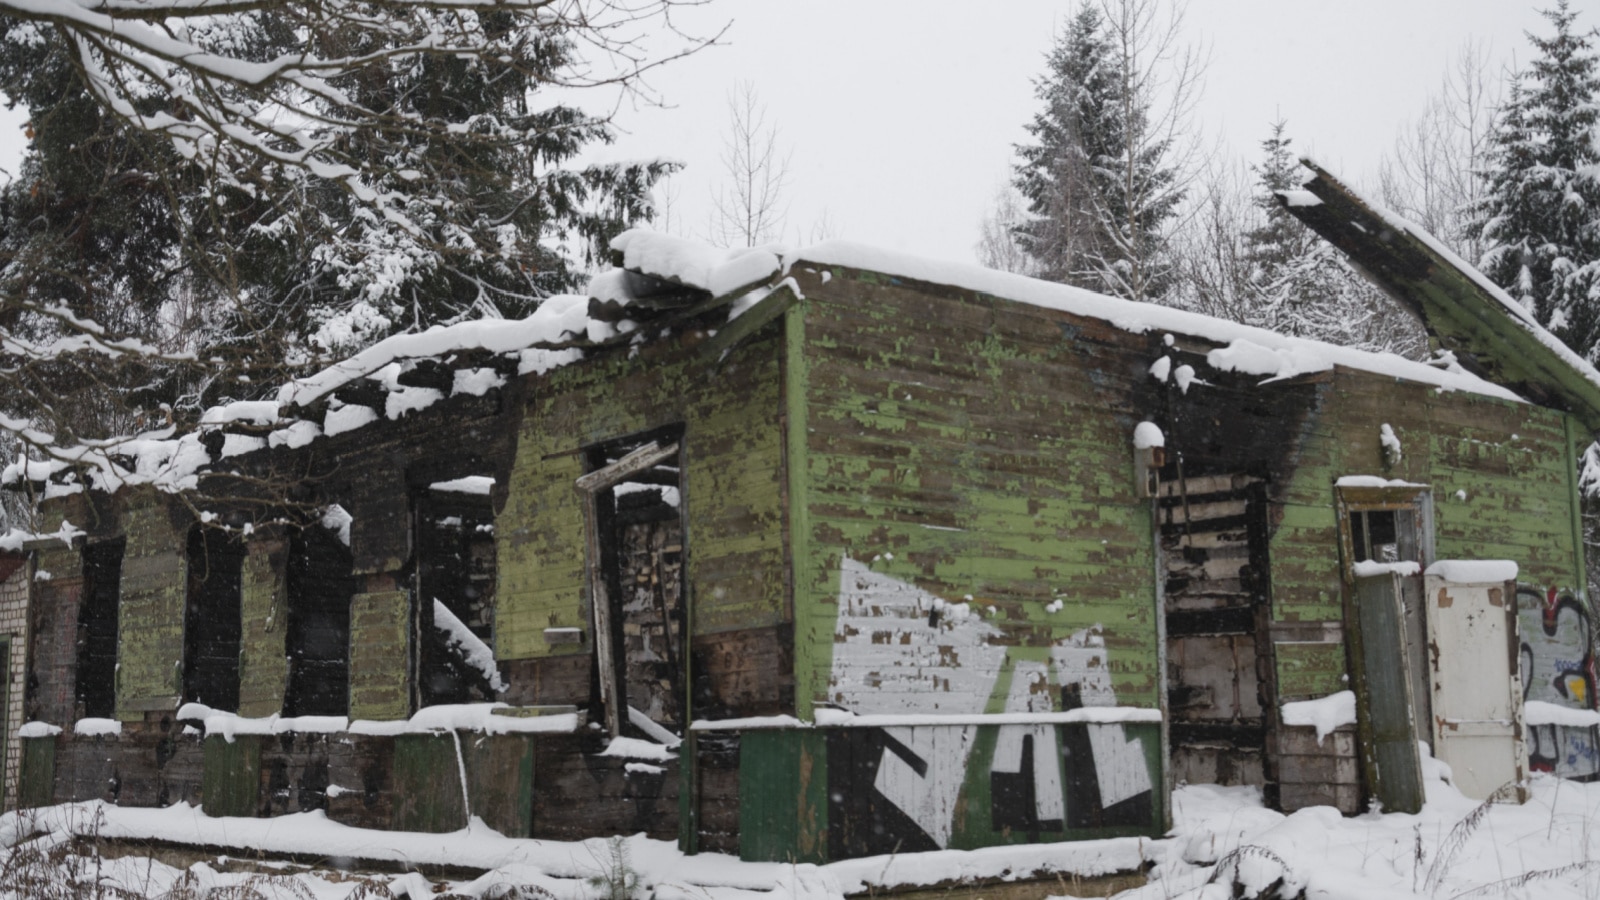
1487, 339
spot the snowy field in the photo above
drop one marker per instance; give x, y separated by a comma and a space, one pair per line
1224, 844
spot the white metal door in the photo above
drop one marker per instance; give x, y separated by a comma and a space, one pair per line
1477, 700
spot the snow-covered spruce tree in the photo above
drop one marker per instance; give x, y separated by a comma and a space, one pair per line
1296, 283
260, 185
1062, 174
1103, 179
1540, 217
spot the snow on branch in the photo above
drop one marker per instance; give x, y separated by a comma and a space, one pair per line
294, 109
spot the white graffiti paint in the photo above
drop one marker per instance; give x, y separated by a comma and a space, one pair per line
901, 650
928, 799
1557, 661
1030, 692
891, 654
1119, 761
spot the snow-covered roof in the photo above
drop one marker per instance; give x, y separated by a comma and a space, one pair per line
662, 276
1246, 349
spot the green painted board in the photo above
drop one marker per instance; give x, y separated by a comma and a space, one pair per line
1309, 668
36, 782
378, 654
500, 781
1384, 708
427, 784
231, 783
783, 796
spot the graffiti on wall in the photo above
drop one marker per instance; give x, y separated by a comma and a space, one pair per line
1558, 667
902, 651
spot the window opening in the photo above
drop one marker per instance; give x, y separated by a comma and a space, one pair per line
97, 629
319, 585
455, 580
1374, 536
212, 626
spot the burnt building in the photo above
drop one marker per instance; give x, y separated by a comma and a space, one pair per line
825, 554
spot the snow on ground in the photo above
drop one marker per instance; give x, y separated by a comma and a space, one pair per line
1223, 839
1224, 844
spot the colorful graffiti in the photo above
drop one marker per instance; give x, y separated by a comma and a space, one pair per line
899, 650
1558, 667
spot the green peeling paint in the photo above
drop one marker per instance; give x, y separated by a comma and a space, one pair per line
150, 620
965, 465
733, 484
263, 668
378, 652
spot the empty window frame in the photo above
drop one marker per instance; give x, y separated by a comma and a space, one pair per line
96, 686
212, 626
453, 542
319, 585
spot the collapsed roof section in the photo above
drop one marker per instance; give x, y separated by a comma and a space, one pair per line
669, 283
1490, 334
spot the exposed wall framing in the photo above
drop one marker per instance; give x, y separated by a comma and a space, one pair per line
97, 628
453, 586
317, 639
212, 625
635, 547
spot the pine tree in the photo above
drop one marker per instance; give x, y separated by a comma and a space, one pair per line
1063, 175
264, 267
1540, 218
1101, 181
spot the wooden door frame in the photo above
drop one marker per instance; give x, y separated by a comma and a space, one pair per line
589, 486
1396, 497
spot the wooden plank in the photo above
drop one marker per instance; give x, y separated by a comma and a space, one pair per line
783, 796
428, 773
36, 782
1384, 706
752, 320
232, 782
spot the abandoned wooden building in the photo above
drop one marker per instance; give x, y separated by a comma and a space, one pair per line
836, 553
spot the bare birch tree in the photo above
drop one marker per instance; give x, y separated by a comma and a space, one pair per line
1434, 175
997, 246
749, 208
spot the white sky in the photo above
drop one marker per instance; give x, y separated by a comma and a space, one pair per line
901, 115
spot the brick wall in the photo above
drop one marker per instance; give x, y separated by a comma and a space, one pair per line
14, 623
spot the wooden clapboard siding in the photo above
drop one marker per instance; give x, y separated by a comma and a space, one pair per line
976, 447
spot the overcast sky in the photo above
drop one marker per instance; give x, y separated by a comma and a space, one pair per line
901, 116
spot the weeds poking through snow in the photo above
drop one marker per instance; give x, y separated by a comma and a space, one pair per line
616, 876
1460, 834
1418, 855
1499, 888
1274, 890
